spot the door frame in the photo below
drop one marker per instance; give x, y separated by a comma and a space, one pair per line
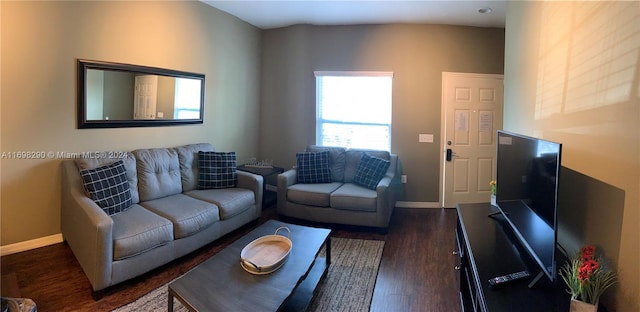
443, 121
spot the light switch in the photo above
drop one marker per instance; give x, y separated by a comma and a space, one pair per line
425, 138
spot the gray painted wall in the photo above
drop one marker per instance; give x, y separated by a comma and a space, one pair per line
417, 54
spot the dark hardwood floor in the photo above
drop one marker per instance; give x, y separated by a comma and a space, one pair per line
416, 271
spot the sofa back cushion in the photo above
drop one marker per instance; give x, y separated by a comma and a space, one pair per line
108, 158
337, 160
158, 173
188, 158
353, 157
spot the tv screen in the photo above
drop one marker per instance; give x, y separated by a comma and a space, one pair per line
527, 177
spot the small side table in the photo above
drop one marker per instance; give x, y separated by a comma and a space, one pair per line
265, 173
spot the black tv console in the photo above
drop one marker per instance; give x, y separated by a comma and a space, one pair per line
486, 247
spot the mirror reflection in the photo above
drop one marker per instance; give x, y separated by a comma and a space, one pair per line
121, 95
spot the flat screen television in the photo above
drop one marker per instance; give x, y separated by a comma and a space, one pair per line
527, 176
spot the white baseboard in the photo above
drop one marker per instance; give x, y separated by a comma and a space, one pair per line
406, 204
30, 244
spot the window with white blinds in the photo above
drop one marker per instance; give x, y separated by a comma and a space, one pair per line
353, 109
187, 98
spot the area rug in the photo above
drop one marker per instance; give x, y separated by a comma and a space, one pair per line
348, 285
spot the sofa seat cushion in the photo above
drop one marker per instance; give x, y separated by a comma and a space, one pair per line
354, 197
312, 194
230, 201
138, 230
188, 215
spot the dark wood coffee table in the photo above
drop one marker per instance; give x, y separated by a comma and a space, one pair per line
221, 284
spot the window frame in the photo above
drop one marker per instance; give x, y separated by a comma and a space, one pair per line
320, 121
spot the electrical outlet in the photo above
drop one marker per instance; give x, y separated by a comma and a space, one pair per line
403, 178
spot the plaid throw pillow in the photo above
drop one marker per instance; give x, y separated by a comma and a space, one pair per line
370, 171
108, 187
217, 170
313, 167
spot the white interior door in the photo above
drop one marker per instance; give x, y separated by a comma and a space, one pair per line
145, 97
472, 106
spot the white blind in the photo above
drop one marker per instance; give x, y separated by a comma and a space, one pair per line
354, 109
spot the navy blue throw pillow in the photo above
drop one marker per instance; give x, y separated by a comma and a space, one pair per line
108, 187
217, 170
370, 171
313, 167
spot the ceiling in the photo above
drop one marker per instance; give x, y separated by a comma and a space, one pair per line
266, 14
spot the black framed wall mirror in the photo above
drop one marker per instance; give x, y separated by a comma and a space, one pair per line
115, 95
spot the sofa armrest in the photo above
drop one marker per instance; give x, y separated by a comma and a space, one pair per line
285, 179
254, 183
385, 200
386, 192
87, 228
384, 183
389, 176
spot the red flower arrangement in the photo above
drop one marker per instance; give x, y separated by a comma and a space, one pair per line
586, 276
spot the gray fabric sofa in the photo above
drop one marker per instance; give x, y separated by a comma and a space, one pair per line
341, 201
169, 216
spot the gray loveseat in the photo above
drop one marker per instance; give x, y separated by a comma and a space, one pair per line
341, 201
168, 216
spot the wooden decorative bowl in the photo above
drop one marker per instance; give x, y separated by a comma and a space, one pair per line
266, 254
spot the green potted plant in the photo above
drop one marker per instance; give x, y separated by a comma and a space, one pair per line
494, 188
587, 278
